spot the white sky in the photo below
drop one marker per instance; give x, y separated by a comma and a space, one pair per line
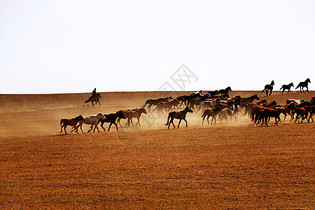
65, 46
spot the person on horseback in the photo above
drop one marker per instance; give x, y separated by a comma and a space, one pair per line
94, 92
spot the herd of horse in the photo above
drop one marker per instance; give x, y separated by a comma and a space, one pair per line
269, 87
212, 105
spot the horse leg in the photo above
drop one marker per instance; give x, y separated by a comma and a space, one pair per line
179, 123
169, 123
65, 129
76, 129
110, 125
102, 123
172, 121
90, 128
116, 126
138, 123
95, 126
270, 92
61, 129
131, 121
186, 122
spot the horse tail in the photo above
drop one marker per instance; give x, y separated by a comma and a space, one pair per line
168, 119
281, 88
61, 121
203, 115
298, 86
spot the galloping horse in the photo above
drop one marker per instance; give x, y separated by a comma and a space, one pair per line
303, 85
72, 122
94, 99
269, 87
287, 87
181, 115
91, 120
111, 118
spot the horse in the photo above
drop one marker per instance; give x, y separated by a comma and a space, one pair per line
226, 90
245, 101
72, 122
111, 118
287, 87
302, 112
91, 120
181, 115
295, 101
212, 93
312, 111
124, 113
151, 102
207, 104
166, 105
264, 114
94, 99
210, 113
134, 114
269, 87
227, 112
303, 85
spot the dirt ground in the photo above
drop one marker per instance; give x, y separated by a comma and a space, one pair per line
234, 165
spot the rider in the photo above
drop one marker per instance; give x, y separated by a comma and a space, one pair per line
94, 92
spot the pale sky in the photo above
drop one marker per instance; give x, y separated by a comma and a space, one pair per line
64, 46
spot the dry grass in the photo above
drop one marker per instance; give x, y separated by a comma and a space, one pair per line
235, 166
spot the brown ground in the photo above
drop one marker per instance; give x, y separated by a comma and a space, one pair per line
235, 165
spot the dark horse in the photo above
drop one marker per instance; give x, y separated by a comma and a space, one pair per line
287, 87
178, 115
269, 87
111, 118
226, 90
94, 99
303, 85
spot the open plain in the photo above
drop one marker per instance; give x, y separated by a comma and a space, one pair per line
234, 165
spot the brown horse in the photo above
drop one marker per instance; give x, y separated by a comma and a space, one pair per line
151, 102
167, 105
72, 122
134, 113
287, 87
181, 115
210, 113
302, 113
